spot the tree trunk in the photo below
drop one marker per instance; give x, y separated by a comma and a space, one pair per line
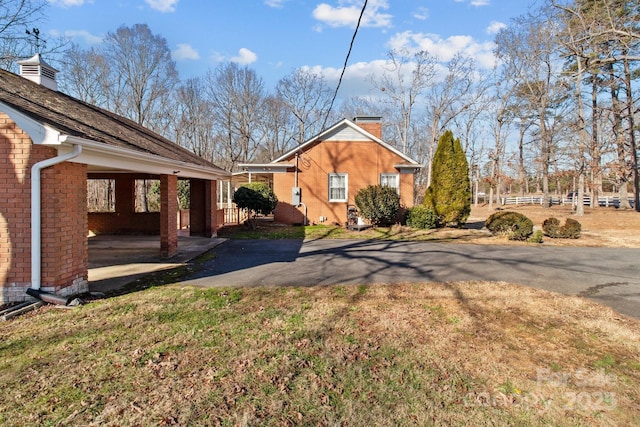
632, 135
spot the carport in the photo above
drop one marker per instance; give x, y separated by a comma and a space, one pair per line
52, 145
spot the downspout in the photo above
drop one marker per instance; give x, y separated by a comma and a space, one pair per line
36, 214
295, 184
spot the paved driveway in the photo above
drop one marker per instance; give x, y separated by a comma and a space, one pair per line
609, 276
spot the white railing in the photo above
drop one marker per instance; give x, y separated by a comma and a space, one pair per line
606, 201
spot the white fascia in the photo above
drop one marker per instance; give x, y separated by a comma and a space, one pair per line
40, 134
123, 159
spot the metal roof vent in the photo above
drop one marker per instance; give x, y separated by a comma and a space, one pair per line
38, 71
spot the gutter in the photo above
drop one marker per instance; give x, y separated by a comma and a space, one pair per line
36, 212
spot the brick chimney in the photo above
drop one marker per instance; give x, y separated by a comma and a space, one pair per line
372, 124
37, 70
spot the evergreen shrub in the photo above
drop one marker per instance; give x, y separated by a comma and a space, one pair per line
258, 198
449, 194
570, 230
421, 217
514, 225
536, 237
551, 227
378, 203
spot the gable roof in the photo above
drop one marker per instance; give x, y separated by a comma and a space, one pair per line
345, 126
79, 122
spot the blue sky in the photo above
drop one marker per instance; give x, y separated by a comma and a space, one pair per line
274, 37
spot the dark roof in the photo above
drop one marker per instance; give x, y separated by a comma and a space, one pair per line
73, 117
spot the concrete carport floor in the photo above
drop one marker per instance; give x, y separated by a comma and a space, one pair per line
117, 260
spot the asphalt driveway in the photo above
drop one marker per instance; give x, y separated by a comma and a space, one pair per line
610, 276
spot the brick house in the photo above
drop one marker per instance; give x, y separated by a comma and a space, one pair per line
329, 169
51, 146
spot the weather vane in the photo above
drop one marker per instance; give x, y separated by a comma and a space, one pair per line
36, 36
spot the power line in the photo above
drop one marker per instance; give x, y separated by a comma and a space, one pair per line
344, 67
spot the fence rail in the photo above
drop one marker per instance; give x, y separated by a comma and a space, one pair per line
234, 215
605, 201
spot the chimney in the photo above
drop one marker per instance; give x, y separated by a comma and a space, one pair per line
38, 71
372, 124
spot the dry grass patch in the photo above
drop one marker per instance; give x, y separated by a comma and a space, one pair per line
422, 354
601, 227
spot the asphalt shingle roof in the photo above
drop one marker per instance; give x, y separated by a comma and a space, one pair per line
73, 117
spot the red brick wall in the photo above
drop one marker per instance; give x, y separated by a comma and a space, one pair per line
64, 225
124, 220
363, 161
374, 128
64, 253
168, 215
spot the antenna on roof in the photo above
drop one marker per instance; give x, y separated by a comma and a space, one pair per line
36, 37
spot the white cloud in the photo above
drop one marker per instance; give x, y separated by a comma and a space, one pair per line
275, 3
69, 3
348, 12
163, 5
495, 26
85, 36
245, 57
422, 13
444, 49
356, 80
184, 51
476, 3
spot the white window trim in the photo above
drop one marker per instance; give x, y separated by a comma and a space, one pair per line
397, 176
346, 187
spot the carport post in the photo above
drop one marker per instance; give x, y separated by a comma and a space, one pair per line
168, 215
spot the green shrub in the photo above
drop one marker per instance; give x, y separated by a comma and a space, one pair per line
379, 204
536, 237
570, 230
257, 197
551, 227
512, 224
421, 217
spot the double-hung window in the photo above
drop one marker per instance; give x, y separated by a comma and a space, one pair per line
390, 180
338, 187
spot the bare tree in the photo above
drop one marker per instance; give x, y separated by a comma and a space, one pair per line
528, 49
502, 115
278, 127
193, 126
16, 18
143, 75
449, 98
308, 99
405, 79
86, 75
237, 98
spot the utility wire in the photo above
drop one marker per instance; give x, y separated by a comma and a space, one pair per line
344, 67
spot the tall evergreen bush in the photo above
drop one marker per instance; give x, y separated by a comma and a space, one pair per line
449, 194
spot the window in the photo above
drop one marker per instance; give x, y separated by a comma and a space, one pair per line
390, 180
337, 187
147, 195
101, 195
